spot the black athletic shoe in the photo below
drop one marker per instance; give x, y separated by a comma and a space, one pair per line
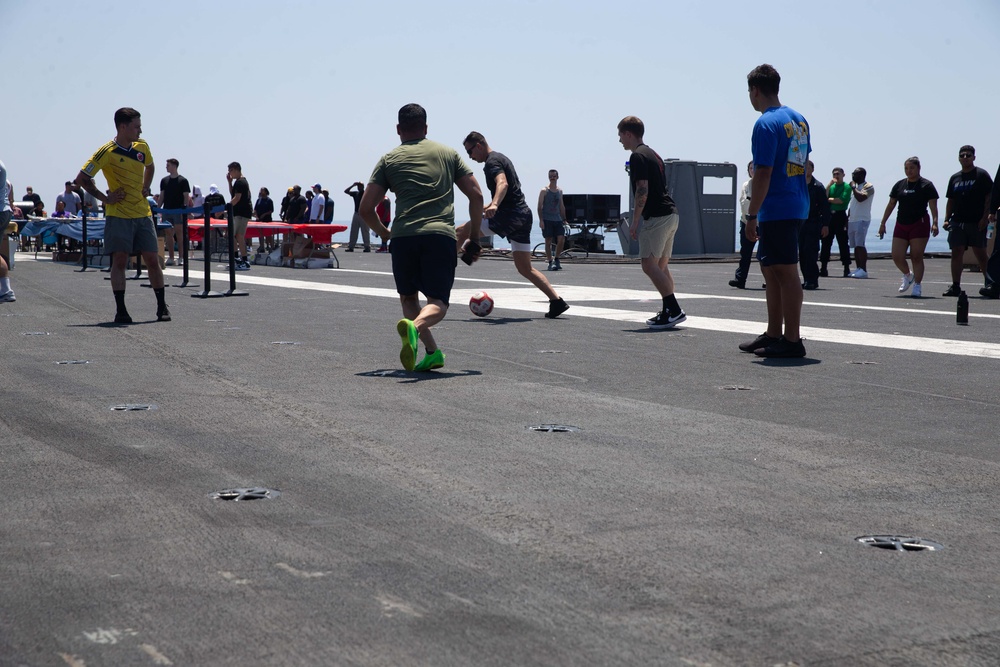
847, 271
823, 273
665, 320
758, 343
737, 284
348, 249
556, 308
163, 314
954, 290
783, 349
123, 318
991, 291
810, 285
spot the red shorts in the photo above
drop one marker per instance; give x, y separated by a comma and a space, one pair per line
921, 229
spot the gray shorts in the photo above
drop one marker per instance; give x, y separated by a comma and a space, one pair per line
656, 236
129, 235
240, 225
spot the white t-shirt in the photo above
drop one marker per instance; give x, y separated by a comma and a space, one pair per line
316, 211
859, 211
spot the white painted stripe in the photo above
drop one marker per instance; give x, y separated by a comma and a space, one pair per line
529, 299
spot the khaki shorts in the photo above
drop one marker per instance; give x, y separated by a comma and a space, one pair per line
240, 225
656, 236
129, 235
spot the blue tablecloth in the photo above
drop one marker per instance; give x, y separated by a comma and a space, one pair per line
72, 227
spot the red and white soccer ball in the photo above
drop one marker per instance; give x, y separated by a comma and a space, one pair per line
481, 304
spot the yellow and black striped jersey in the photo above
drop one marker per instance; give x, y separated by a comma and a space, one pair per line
123, 168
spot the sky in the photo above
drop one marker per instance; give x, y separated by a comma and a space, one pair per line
306, 91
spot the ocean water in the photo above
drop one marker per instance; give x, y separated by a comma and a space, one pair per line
938, 244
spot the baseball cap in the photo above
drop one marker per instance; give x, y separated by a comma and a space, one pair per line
317, 185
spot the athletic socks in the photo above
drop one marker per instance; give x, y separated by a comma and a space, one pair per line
670, 305
120, 300
4, 285
159, 297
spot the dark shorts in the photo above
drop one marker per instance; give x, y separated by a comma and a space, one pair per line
553, 229
175, 219
424, 263
966, 235
515, 227
920, 229
779, 242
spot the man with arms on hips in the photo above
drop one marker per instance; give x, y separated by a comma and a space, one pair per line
6, 213
653, 205
509, 216
423, 174
242, 203
779, 203
859, 217
552, 219
966, 215
128, 169
175, 193
746, 245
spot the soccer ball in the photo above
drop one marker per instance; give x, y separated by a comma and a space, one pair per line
481, 304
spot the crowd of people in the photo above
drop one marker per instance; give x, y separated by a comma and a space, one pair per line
785, 210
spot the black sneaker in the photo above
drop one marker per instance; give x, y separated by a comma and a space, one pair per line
782, 349
847, 271
123, 318
991, 291
665, 320
758, 343
163, 314
737, 284
348, 249
810, 285
823, 273
556, 308
954, 290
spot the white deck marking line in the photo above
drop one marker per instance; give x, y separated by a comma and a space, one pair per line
529, 299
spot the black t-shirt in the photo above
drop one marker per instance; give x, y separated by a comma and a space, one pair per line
912, 198
173, 189
646, 165
244, 207
328, 211
296, 206
263, 209
513, 204
213, 200
968, 193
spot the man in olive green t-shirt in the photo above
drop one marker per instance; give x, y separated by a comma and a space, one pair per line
422, 174
839, 194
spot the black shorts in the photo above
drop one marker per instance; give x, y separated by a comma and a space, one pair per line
553, 229
966, 235
514, 226
424, 263
779, 242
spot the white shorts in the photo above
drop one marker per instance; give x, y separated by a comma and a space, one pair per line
856, 232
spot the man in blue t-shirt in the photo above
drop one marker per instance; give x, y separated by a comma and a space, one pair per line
779, 203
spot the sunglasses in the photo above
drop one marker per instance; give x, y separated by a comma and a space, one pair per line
966, 155
468, 149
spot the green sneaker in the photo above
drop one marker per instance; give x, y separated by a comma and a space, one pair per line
408, 334
431, 361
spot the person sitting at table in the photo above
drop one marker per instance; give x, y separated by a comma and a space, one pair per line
61, 211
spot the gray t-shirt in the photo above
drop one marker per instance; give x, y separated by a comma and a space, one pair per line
550, 205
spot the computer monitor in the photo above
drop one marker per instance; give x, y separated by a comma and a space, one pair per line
604, 209
576, 208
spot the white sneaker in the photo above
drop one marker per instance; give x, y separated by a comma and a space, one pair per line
860, 273
917, 291
7, 296
907, 281
169, 262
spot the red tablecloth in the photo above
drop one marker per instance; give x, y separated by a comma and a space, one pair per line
319, 233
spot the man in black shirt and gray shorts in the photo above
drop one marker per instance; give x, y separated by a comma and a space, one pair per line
656, 208
509, 216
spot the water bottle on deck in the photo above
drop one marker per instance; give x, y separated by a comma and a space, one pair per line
962, 317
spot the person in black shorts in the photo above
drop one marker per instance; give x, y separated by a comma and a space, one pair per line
966, 215
423, 174
509, 216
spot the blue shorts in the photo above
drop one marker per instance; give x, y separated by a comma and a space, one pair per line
515, 226
779, 242
424, 263
553, 229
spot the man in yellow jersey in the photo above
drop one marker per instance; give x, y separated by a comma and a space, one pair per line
128, 168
